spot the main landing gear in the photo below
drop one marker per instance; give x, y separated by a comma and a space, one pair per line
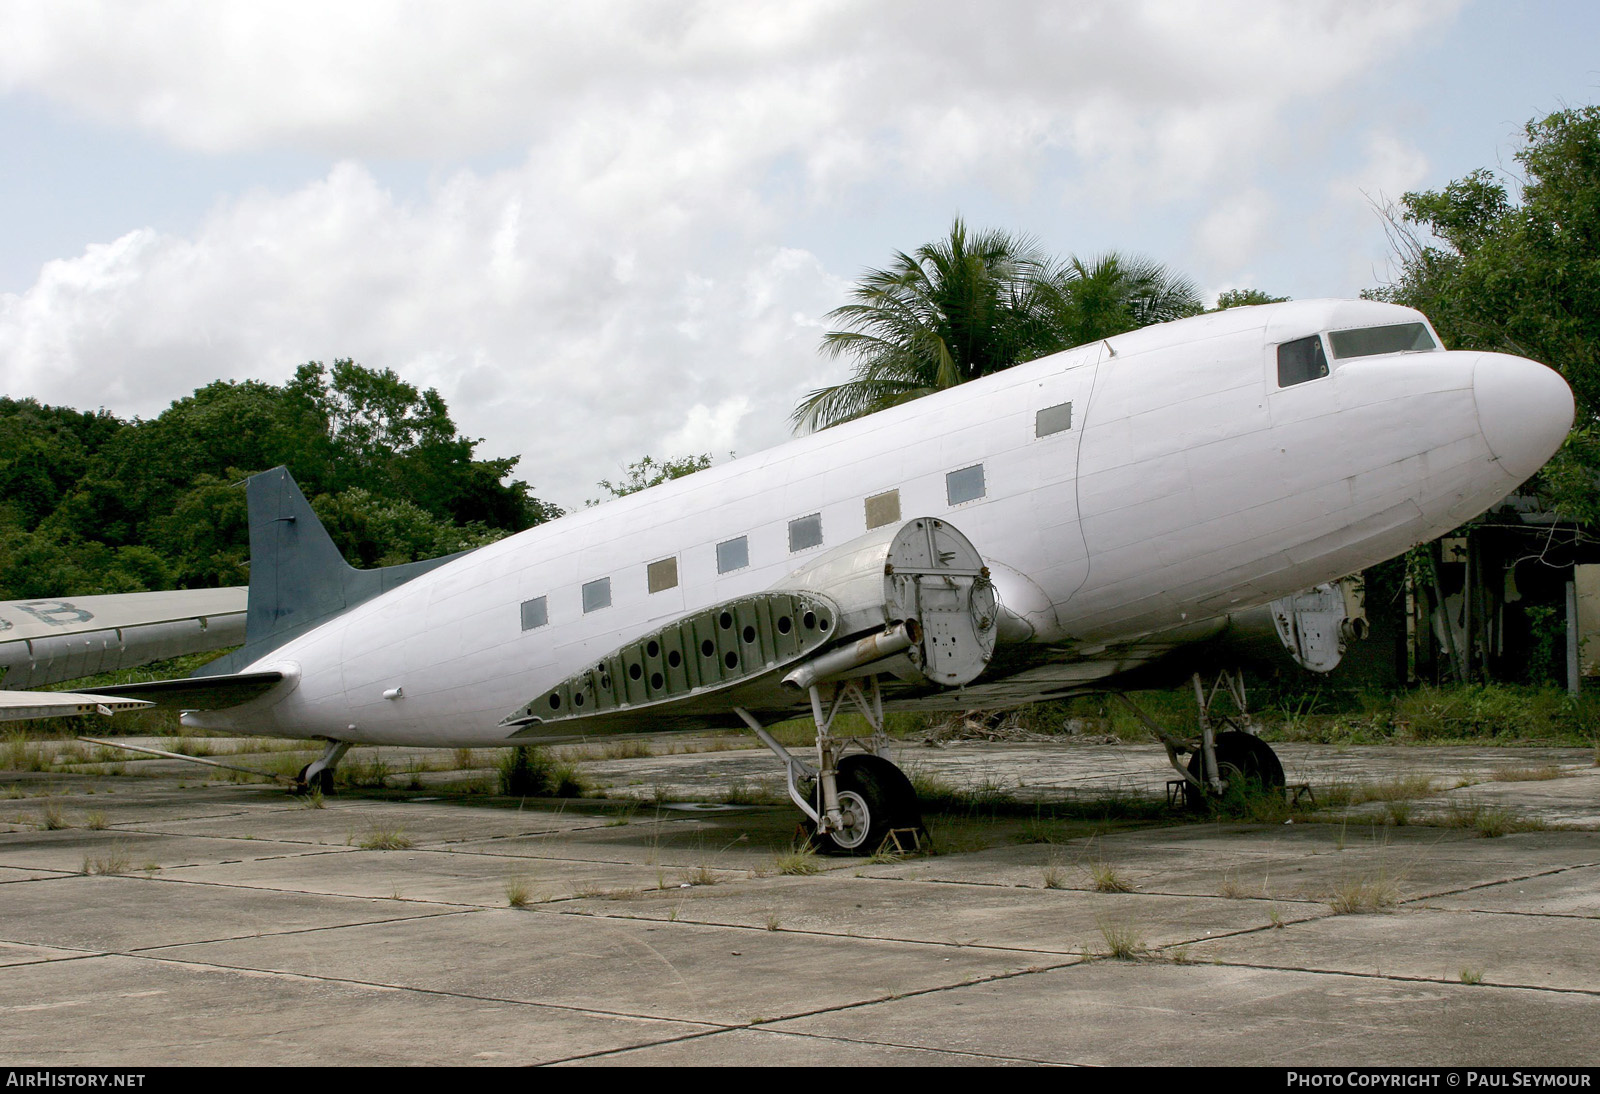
316, 777
1232, 760
856, 802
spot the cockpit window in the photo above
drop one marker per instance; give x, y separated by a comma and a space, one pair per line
1301, 360
1368, 341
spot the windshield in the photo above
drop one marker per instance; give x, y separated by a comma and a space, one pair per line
1368, 341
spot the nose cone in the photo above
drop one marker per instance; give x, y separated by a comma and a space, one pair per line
1524, 410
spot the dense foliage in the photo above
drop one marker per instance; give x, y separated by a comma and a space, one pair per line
1521, 277
91, 504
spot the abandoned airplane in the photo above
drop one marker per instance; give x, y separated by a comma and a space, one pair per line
1038, 533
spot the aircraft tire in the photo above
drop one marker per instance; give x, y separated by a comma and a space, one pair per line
323, 783
1239, 757
880, 797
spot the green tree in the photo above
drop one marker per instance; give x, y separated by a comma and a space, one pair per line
1520, 276
374, 530
647, 472
90, 504
377, 431
973, 304
1243, 298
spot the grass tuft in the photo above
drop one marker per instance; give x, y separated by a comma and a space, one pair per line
1397, 813
1365, 896
1108, 879
701, 875
1234, 889
631, 748
797, 861
111, 862
1400, 788
379, 838
531, 772
753, 792
1471, 975
1123, 940
1526, 774
1489, 821
519, 892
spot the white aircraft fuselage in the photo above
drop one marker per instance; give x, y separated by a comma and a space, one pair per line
1187, 482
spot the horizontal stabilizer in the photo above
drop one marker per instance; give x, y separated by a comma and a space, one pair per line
194, 692
19, 706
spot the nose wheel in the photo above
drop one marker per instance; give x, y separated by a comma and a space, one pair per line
1218, 761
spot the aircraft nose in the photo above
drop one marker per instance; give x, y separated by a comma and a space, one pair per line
1524, 410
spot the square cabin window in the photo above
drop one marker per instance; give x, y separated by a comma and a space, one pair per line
805, 532
597, 595
535, 613
733, 554
883, 509
1053, 419
964, 485
662, 575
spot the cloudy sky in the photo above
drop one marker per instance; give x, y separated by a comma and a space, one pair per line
614, 228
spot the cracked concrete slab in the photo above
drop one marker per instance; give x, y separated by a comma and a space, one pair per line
775, 1048
266, 934
136, 1011
1046, 922
479, 880
74, 852
129, 913
1120, 1013
1500, 948
1574, 892
1312, 863
661, 969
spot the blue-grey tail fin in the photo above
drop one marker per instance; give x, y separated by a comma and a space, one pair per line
298, 578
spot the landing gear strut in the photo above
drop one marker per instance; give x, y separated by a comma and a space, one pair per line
1235, 759
316, 777
857, 802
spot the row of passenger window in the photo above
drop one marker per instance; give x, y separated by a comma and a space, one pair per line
961, 486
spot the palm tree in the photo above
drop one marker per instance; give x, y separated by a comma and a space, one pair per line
1117, 293
969, 305
957, 309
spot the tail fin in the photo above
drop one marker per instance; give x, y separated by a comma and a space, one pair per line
298, 578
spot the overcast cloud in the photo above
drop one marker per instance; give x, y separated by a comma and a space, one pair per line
624, 241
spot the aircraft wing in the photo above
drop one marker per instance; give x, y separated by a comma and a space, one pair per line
47, 641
